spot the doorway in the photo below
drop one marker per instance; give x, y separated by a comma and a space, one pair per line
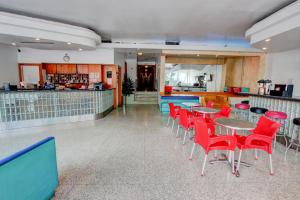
146, 77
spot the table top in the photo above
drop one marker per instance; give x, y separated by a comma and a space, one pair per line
206, 110
190, 104
235, 124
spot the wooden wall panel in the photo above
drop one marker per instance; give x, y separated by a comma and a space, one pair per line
195, 61
244, 71
251, 73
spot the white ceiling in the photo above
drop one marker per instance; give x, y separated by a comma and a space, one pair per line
42, 44
190, 21
283, 42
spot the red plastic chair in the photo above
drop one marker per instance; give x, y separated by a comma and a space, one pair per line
261, 138
173, 114
210, 104
223, 113
186, 122
212, 142
211, 128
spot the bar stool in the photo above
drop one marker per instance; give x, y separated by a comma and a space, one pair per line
243, 109
280, 117
245, 102
295, 135
256, 112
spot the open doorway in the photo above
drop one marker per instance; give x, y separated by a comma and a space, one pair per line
146, 77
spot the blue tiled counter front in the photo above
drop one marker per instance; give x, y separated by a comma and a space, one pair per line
177, 100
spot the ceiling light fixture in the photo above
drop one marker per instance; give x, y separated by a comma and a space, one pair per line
268, 40
14, 44
264, 48
146, 66
140, 53
69, 43
37, 39
79, 49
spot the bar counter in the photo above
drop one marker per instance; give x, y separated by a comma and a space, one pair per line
289, 105
19, 109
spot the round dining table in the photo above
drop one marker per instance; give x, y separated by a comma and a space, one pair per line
191, 105
205, 111
236, 125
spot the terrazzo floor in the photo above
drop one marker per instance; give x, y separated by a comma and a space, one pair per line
134, 156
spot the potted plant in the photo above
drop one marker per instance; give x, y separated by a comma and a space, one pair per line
127, 88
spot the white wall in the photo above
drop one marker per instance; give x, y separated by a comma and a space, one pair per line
8, 65
132, 69
98, 56
284, 67
119, 60
216, 71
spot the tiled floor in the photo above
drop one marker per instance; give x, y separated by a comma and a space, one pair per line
135, 156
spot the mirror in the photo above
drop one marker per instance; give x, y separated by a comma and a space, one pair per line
189, 77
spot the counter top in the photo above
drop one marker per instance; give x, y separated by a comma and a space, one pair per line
272, 97
174, 93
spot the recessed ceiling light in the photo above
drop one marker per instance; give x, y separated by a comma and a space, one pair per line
14, 44
146, 66
79, 49
268, 40
37, 39
264, 48
69, 43
140, 53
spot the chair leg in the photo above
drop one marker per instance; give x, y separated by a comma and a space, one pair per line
232, 163
286, 142
177, 134
255, 156
185, 133
288, 147
173, 125
239, 161
168, 121
192, 152
275, 142
203, 165
271, 166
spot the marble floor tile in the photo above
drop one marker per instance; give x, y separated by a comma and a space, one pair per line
135, 156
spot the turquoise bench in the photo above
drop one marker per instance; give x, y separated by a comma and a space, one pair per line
30, 173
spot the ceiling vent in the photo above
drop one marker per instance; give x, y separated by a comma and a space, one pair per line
106, 41
172, 43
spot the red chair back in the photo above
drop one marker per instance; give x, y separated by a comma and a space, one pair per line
201, 133
210, 104
172, 113
225, 111
183, 118
266, 127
